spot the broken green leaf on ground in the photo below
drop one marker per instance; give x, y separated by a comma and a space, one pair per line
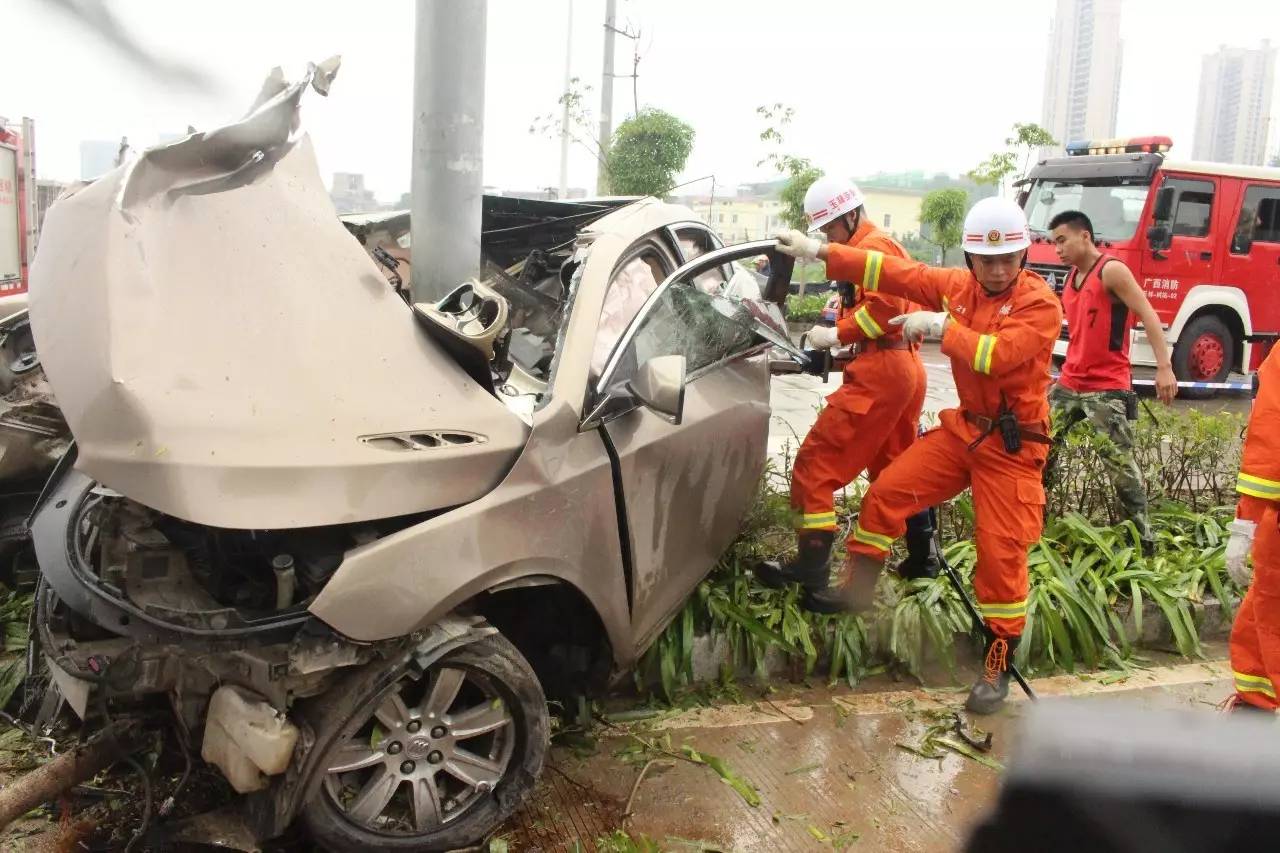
745, 789
947, 731
967, 751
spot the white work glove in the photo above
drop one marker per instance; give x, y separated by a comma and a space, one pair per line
1238, 550
822, 337
921, 325
797, 244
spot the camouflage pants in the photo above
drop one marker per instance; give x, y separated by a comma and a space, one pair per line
1106, 412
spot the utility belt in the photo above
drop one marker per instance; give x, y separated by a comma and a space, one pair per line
860, 347
1012, 433
881, 344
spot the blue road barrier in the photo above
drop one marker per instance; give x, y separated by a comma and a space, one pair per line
1246, 387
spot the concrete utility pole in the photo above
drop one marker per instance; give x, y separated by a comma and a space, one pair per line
606, 95
32, 188
448, 145
564, 117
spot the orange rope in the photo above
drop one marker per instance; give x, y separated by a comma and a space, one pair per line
997, 660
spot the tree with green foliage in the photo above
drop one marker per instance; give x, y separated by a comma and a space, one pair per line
994, 169
943, 211
573, 119
800, 171
792, 195
1026, 138
647, 151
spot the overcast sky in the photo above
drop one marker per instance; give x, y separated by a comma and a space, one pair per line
914, 84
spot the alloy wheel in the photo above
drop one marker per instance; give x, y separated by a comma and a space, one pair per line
435, 746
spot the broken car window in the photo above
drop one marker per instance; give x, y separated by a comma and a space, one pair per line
705, 329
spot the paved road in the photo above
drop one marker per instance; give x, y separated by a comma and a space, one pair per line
795, 399
826, 764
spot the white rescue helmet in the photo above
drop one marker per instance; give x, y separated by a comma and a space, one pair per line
829, 198
995, 226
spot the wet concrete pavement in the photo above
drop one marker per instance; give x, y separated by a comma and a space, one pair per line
795, 400
833, 769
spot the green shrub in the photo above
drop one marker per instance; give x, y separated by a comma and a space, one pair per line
806, 309
1185, 456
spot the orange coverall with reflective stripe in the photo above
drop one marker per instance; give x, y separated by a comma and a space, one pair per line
1000, 346
1255, 636
874, 415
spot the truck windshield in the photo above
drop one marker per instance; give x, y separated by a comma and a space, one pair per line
1114, 205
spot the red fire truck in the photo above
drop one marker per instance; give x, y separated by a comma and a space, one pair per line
17, 216
1203, 239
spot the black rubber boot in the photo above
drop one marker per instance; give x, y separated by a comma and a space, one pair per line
857, 592
809, 566
989, 691
922, 557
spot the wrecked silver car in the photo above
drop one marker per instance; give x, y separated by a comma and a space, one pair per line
356, 541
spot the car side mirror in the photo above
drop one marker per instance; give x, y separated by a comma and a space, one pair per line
1159, 237
659, 384
1164, 204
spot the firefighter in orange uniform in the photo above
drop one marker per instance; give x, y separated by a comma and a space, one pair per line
997, 322
871, 419
1255, 637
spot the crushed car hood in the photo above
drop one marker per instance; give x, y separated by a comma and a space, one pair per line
225, 352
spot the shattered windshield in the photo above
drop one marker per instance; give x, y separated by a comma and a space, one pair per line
536, 295
1114, 205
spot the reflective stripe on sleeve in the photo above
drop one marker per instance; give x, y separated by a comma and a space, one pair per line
982, 357
867, 323
871, 273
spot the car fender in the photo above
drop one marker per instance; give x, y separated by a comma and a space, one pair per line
553, 516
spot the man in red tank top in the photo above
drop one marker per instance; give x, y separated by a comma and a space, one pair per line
1099, 302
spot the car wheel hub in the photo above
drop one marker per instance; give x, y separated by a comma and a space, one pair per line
433, 748
419, 747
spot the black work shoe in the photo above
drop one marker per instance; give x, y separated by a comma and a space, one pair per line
808, 568
1148, 548
989, 691
857, 594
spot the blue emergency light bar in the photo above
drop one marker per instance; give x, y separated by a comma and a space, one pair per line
1123, 145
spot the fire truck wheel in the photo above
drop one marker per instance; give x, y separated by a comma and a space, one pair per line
1204, 353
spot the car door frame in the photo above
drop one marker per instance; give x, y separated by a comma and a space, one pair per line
598, 413
596, 394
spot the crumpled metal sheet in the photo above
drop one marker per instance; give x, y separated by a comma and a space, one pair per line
226, 157
219, 343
